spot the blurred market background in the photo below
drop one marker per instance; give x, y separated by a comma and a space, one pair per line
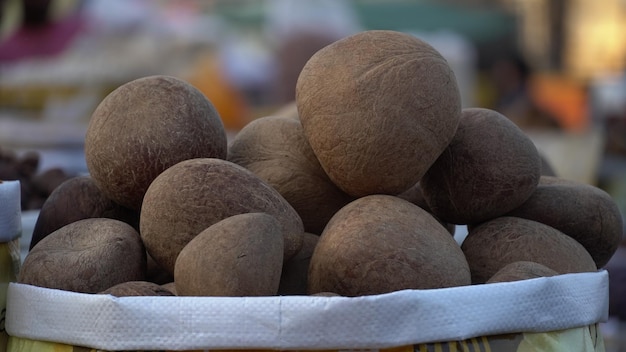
557, 68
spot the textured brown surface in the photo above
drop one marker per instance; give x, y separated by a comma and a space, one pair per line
378, 108
504, 240
137, 288
195, 194
170, 286
490, 168
76, 199
241, 255
293, 280
582, 211
379, 244
415, 195
276, 150
521, 270
145, 126
86, 256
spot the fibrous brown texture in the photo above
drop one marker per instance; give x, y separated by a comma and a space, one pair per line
584, 212
501, 241
490, 168
380, 243
522, 270
145, 126
293, 280
137, 288
86, 256
241, 255
415, 195
194, 194
377, 108
76, 199
155, 272
170, 286
276, 150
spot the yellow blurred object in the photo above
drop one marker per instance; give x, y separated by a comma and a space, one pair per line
207, 75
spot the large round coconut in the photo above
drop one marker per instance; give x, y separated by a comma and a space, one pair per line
490, 168
88, 256
76, 199
145, 126
378, 108
194, 194
496, 243
584, 212
381, 243
276, 150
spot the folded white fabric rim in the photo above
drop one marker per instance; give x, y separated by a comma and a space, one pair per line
394, 319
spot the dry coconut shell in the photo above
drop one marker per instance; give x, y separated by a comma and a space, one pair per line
86, 256
489, 168
276, 150
379, 244
522, 270
145, 126
76, 199
584, 212
496, 243
378, 108
195, 194
415, 195
137, 288
241, 255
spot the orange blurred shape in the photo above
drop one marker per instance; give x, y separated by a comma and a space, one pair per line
563, 97
208, 76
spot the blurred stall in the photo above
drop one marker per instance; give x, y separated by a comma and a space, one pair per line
557, 68
526, 59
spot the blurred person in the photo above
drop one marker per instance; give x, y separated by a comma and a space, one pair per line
510, 76
44, 28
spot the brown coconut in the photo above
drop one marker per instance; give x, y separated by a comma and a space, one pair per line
86, 256
380, 243
496, 243
276, 150
145, 126
378, 108
584, 212
76, 199
194, 194
415, 195
522, 270
490, 168
137, 288
241, 255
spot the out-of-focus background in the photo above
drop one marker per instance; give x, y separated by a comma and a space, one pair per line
557, 68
